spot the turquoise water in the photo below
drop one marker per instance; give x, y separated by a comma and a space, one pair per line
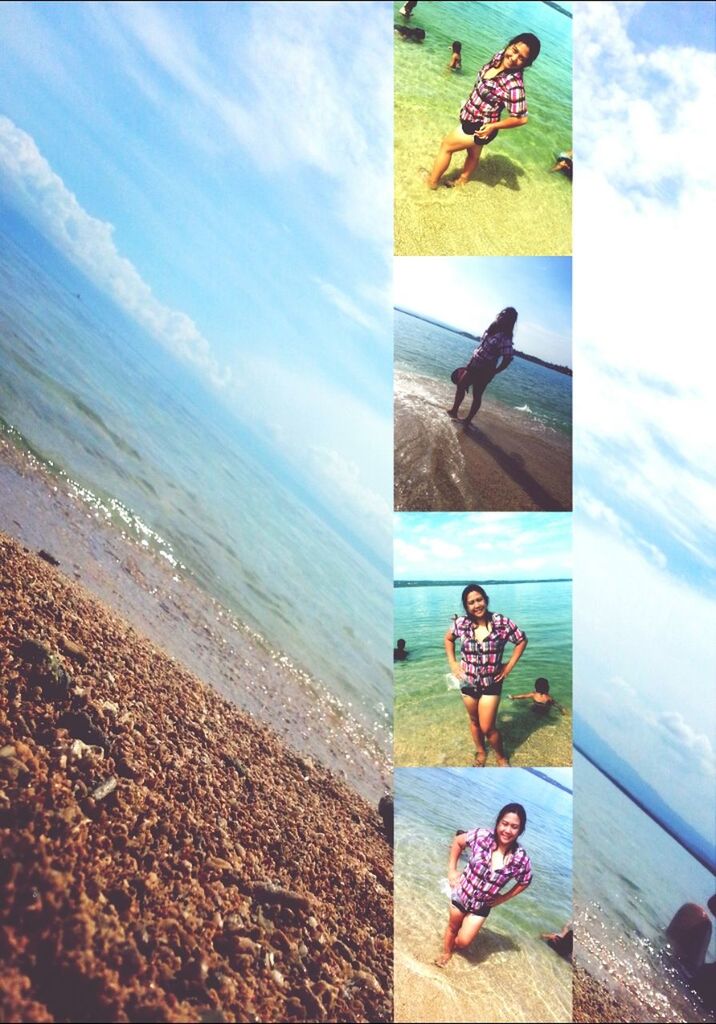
508, 973
431, 726
539, 396
105, 406
514, 206
630, 878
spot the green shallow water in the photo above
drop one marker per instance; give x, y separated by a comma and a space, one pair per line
431, 726
514, 206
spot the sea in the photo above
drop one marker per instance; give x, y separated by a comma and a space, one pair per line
514, 205
630, 878
535, 396
431, 725
126, 429
508, 973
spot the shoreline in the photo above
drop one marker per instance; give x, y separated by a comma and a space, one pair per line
176, 614
496, 465
167, 856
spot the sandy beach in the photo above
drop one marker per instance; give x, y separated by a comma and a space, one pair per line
166, 856
501, 463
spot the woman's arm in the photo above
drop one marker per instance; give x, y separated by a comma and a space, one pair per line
458, 845
516, 655
452, 660
505, 896
507, 122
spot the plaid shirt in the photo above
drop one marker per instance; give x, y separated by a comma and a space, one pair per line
492, 346
481, 660
490, 96
479, 883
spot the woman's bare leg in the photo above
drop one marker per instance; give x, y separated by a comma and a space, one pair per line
452, 143
472, 706
472, 159
487, 713
460, 932
460, 392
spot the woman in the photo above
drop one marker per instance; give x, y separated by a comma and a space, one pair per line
495, 353
482, 636
496, 858
498, 85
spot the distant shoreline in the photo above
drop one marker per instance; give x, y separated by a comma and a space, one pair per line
464, 583
703, 861
564, 370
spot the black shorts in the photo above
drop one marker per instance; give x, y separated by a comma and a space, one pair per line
481, 909
470, 127
493, 690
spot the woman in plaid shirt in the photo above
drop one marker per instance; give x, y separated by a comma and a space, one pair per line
498, 85
496, 858
483, 636
495, 353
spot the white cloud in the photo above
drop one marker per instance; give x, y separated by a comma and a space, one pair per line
348, 306
643, 204
692, 744
326, 103
89, 244
443, 549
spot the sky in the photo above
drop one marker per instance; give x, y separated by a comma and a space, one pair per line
645, 471
219, 170
467, 293
482, 546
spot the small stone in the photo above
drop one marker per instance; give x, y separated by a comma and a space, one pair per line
104, 789
277, 977
47, 557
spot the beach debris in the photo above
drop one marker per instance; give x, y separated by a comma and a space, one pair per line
267, 893
104, 789
385, 810
47, 557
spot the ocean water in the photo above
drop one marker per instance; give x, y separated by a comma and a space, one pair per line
538, 398
431, 725
513, 206
630, 877
508, 973
127, 430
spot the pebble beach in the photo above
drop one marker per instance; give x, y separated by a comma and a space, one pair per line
165, 855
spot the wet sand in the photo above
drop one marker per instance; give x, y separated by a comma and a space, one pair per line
165, 605
529, 741
165, 856
496, 979
501, 463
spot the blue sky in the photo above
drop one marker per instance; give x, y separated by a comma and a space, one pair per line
467, 293
482, 545
645, 472
220, 171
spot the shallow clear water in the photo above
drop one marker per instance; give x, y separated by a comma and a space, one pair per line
630, 878
508, 973
431, 726
99, 402
513, 206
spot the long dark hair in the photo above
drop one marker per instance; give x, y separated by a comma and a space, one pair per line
504, 322
521, 813
531, 42
468, 590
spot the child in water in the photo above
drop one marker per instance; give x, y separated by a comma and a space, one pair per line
456, 57
542, 702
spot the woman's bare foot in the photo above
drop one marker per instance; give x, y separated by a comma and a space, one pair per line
457, 182
480, 758
441, 960
502, 762
452, 414
425, 177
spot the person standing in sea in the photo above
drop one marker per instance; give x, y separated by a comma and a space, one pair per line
494, 354
499, 85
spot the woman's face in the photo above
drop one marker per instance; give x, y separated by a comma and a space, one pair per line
508, 828
476, 604
516, 56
